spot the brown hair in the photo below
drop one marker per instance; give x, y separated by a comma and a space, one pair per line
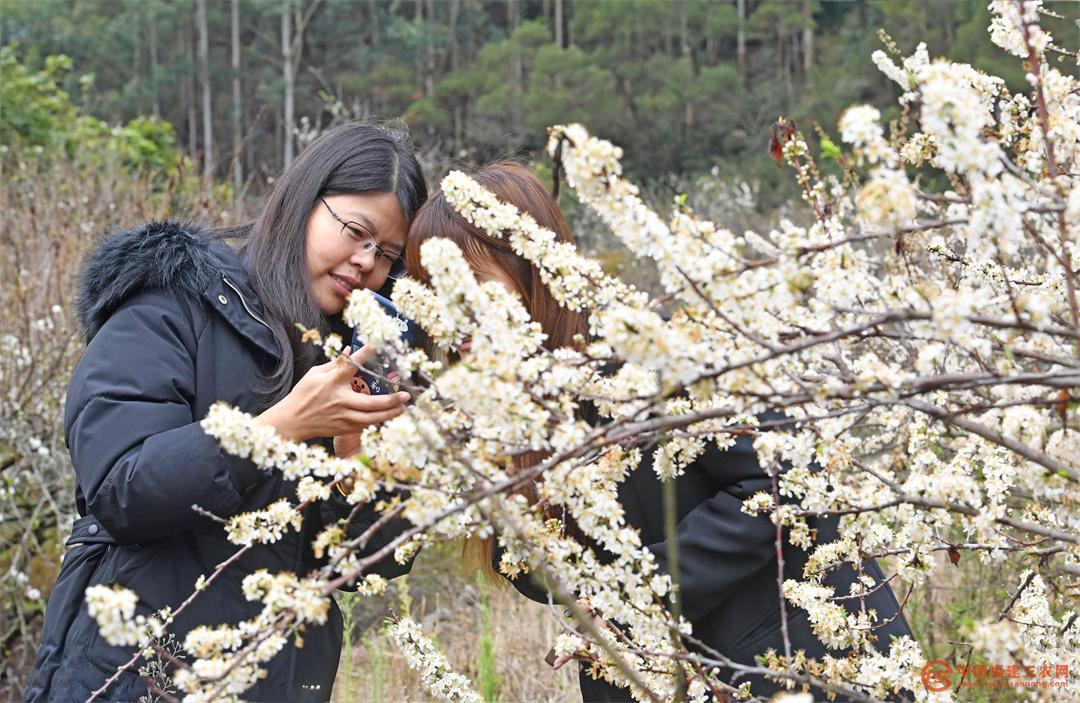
514, 184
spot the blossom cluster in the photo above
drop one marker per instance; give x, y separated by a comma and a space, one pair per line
228, 659
113, 609
575, 281
438, 677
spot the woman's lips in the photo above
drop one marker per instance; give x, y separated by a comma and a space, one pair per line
465, 345
342, 286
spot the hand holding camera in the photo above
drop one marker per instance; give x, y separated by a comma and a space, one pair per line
378, 376
322, 404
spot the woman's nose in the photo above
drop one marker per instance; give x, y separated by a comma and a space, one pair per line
364, 260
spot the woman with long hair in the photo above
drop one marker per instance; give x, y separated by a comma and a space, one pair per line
727, 559
176, 320
493, 259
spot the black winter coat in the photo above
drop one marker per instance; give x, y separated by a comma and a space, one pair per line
728, 565
172, 326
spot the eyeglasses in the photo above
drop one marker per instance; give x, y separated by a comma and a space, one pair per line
357, 234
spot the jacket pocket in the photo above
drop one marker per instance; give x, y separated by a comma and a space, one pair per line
58, 649
120, 564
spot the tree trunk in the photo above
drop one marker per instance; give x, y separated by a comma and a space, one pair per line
289, 78
511, 16
420, 64
429, 77
459, 131
473, 40
559, 24
204, 77
808, 38
518, 72
279, 133
569, 27
740, 38
685, 52
455, 59
237, 113
373, 10
684, 30
138, 13
155, 99
189, 94
785, 66
294, 22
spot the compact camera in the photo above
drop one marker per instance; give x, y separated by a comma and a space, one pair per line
381, 379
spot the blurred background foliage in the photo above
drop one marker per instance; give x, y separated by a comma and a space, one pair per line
683, 85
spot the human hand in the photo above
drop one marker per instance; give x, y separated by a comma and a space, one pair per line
323, 403
346, 445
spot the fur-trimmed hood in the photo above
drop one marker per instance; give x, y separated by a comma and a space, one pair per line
180, 256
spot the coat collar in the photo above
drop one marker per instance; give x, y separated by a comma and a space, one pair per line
230, 294
176, 256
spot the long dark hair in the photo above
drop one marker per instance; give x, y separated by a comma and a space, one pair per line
353, 158
511, 183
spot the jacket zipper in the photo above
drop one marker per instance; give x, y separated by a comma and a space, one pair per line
244, 302
298, 553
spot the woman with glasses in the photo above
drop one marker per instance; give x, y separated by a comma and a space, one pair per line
175, 320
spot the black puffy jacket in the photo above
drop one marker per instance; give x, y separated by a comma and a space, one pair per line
172, 326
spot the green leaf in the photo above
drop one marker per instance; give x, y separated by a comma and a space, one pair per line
829, 150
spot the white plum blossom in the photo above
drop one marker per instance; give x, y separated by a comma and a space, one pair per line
1007, 26
113, 609
436, 674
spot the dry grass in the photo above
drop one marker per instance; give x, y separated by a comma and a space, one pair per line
941, 610
448, 605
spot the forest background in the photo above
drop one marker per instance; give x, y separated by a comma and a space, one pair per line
682, 85
112, 111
